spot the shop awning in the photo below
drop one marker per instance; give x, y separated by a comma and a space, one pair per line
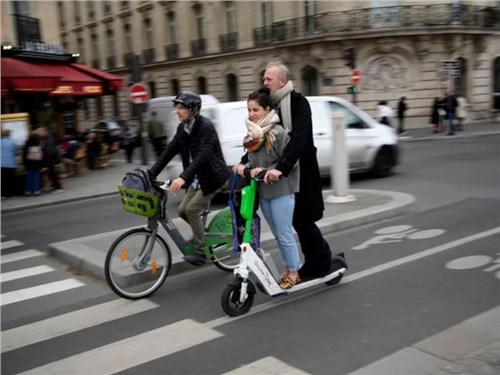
22, 76
72, 81
112, 82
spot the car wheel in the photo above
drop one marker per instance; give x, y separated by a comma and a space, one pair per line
383, 164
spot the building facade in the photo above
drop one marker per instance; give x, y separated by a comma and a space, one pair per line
416, 48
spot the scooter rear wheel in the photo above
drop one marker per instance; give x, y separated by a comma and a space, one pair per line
230, 301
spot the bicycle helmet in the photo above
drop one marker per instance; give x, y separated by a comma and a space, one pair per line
188, 99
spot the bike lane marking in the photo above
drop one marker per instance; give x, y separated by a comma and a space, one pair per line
357, 276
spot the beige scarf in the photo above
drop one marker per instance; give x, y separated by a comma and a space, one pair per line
283, 97
260, 132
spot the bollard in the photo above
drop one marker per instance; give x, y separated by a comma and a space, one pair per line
339, 170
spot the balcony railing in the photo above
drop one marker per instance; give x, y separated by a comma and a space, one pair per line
111, 62
127, 58
172, 51
198, 47
149, 55
399, 17
229, 42
28, 29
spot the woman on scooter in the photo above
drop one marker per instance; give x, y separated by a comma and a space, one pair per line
265, 142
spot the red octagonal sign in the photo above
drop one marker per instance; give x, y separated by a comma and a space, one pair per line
138, 93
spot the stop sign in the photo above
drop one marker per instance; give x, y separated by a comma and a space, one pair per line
356, 77
138, 93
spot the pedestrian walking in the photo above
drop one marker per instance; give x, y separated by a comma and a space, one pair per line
157, 134
402, 108
385, 113
295, 116
437, 115
9, 164
33, 164
129, 141
462, 109
51, 157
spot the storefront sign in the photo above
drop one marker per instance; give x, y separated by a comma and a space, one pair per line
42, 47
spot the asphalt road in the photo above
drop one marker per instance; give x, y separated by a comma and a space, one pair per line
409, 278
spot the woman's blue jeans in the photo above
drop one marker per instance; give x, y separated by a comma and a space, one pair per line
279, 215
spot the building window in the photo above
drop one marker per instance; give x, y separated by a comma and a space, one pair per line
106, 6
152, 88
175, 87
60, 14
199, 22
232, 87
91, 9
148, 34
22, 8
460, 82
309, 12
111, 43
95, 51
81, 48
172, 27
310, 81
202, 85
125, 4
230, 16
267, 13
127, 35
77, 11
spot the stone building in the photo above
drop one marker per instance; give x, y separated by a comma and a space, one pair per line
222, 47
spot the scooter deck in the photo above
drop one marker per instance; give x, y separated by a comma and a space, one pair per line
313, 282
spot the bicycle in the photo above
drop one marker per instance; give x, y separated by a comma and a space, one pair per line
139, 260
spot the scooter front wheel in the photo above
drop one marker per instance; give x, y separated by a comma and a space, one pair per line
230, 301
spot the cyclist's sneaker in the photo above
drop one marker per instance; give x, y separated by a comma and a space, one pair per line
195, 259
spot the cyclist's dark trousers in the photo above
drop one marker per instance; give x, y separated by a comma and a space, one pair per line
317, 253
189, 210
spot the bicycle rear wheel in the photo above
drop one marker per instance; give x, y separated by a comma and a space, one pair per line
131, 270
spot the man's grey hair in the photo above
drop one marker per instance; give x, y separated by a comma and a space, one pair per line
283, 72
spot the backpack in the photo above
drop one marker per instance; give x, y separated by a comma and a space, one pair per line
139, 179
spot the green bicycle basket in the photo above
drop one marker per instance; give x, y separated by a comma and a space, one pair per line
139, 202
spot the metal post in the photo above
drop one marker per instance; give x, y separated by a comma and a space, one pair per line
339, 170
138, 108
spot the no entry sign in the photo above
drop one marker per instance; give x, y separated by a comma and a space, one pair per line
356, 77
138, 93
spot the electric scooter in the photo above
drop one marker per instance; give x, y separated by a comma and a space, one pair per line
256, 267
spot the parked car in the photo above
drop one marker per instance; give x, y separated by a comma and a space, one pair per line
371, 146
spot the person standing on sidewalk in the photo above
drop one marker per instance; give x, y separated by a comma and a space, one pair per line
461, 111
402, 108
33, 163
295, 115
450, 106
9, 165
205, 171
51, 157
157, 134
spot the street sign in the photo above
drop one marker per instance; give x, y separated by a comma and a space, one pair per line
138, 93
451, 68
356, 77
352, 90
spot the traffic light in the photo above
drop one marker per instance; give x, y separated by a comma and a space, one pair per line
352, 90
350, 58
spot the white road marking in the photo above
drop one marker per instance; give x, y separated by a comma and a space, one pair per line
9, 244
267, 366
26, 272
133, 351
39, 291
71, 322
20, 256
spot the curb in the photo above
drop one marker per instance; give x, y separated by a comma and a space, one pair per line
88, 259
444, 137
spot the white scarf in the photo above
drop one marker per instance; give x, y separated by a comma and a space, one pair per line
283, 97
262, 128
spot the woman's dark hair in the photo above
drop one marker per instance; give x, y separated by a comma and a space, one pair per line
262, 96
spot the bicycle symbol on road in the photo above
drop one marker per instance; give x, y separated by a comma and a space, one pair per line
475, 261
398, 233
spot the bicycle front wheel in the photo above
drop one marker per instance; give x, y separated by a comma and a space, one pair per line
135, 266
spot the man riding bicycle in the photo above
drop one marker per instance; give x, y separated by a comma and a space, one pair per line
205, 171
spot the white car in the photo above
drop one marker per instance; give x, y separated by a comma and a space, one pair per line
371, 146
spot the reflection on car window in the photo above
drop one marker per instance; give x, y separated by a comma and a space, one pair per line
351, 119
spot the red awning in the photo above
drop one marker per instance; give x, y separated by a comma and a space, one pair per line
73, 82
22, 76
114, 83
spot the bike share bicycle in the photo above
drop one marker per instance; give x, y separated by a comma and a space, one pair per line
138, 261
257, 268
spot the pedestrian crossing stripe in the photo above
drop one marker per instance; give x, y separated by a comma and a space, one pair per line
39, 291
267, 366
21, 255
146, 347
47, 329
11, 243
26, 272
